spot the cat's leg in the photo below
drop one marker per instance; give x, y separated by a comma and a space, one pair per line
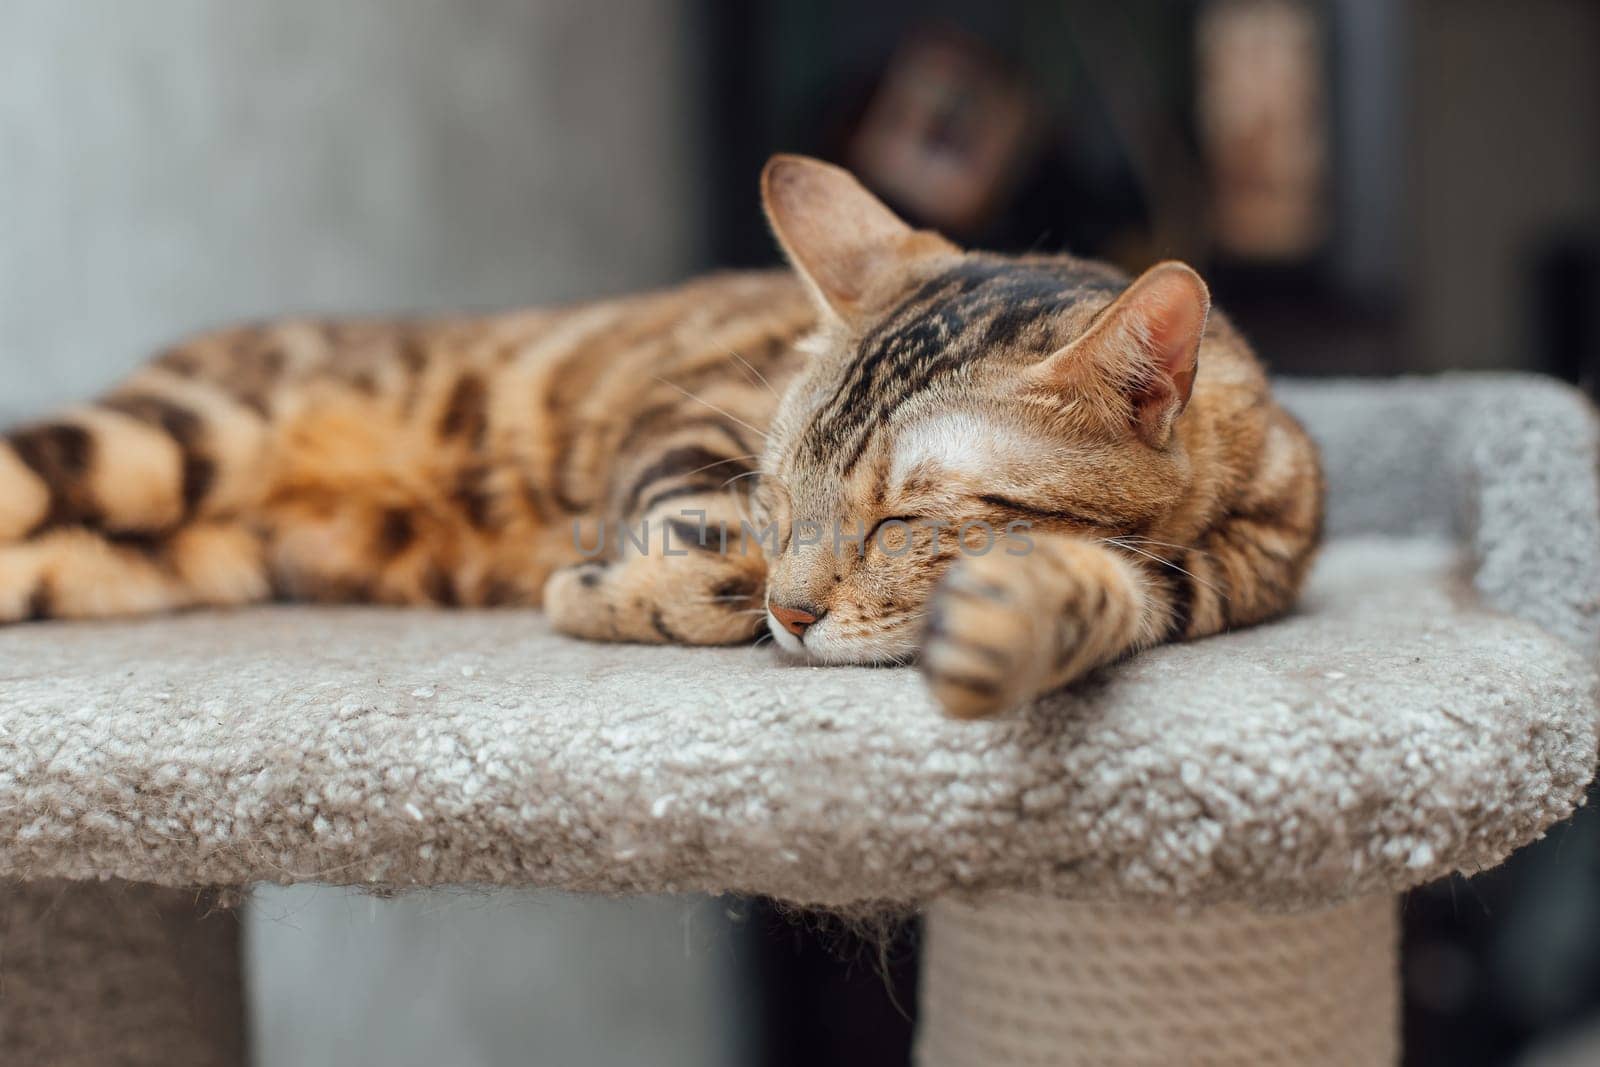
90, 466
72, 572
676, 563
119, 507
143, 460
1005, 628
685, 572
1027, 617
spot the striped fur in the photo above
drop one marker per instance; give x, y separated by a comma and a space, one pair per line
1120, 438
477, 462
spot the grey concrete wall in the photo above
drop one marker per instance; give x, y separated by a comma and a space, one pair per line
171, 164
471, 979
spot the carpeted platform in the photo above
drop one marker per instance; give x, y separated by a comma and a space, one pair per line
1403, 724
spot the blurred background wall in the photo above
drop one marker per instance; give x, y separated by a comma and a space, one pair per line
1370, 187
1506, 180
172, 164
495, 979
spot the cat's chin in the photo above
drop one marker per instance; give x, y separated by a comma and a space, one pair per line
822, 646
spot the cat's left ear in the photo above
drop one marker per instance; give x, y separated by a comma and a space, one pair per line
840, 238
1145, 346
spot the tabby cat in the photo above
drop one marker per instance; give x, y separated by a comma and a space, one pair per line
1018, 468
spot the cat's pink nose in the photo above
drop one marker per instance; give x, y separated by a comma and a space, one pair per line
795, 620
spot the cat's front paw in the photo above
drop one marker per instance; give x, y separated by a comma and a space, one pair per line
981, 652
1006, 628
702, 599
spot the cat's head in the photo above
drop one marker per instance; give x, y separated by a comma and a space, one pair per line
1016, 395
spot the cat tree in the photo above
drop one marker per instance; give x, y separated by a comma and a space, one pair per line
1193, 858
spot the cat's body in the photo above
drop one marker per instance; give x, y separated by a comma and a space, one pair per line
525, 458
403, 462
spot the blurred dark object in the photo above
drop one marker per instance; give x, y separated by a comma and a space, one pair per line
944, 132
1254, 138
832, 993
990, 97
1503, 962
1263, 121
1566, 303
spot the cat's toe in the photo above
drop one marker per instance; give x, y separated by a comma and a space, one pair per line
977, 648
964, 686
571, 599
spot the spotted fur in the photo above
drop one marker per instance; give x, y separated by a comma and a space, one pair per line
498, 461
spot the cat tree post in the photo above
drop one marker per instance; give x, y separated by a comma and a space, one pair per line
1048, 983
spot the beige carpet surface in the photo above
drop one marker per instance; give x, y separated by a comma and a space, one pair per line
1388, 733
1391, 731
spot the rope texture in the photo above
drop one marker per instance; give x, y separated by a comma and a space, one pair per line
1031, 982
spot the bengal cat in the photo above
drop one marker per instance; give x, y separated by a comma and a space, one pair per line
1018, 468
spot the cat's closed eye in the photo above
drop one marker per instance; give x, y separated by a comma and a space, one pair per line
903, 520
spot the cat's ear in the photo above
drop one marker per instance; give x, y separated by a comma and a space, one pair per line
840, 238
1145, 346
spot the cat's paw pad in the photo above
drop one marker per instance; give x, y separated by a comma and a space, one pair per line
979, 652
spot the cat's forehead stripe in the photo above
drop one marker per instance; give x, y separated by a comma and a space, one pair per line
974, 308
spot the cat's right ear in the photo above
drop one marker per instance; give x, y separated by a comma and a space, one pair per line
840, 238
1144, 348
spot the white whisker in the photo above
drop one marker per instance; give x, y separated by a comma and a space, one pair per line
1130, 539
762, 378
718, 463
736, 477
720, 411
1165, 563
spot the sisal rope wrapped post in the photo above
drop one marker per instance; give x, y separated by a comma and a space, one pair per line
1032, 982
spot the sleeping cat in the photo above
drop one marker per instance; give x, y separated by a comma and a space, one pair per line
1014, 468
